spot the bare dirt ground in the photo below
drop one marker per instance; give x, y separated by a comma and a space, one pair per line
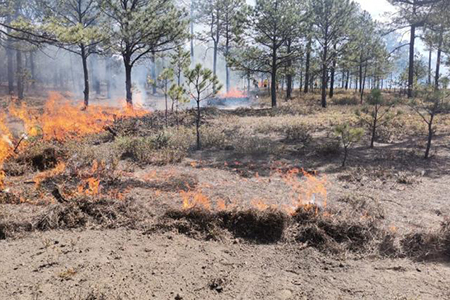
123, 264
128, 249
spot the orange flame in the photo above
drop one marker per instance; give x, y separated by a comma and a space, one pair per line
193, 199
62, 120
233, 93
58, 170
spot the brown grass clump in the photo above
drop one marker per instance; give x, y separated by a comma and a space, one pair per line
335, 232
428, 246
266, 226
308, 225
260, 226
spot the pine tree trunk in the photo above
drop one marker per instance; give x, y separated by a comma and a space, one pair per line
307, 66
128, 83
289, 75
215, 54
153, 71
430, 54
324, 77
411, 62
108, 77
10, 59
197, 122
32, 70
438, 62
347, 83
430, 137
333, 72
86, 75
192, 29
273, 87
20, 75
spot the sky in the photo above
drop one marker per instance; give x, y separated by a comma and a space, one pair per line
376, 7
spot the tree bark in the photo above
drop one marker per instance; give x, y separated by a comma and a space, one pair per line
108, 77
347, 82
273, 87
197, 122
430, 137
430, 54
438, 61
10, 60
324, 77
19, 74
411, 61
308, 65
374, 127
86, 75
333, 72
363, 84
192, 30
128, 84
289, 75
153, 71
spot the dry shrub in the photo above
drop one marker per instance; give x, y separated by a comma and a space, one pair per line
428, 245
13, 168
81, 213
60, 217
298, 132
363, 205
10, 229
346, 100
316, 237
213, 137
388, 246
266, 226
329, 148
82, 155
158, 149
194, 222
41, 156
333, 232
259, 226
252, 145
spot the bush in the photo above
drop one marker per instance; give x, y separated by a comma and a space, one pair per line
254, 146
213, 137
347, 100
329, 148
297, 132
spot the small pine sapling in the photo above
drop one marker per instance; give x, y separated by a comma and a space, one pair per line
348, 136
376, 113
202, 85
165, 79
431, 104
177, 94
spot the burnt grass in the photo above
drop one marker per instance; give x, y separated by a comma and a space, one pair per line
309, 226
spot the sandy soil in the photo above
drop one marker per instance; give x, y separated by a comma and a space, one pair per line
131, 265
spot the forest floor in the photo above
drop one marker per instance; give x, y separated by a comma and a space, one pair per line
264, 211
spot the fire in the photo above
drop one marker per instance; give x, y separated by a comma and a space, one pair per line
6, 147
233, 93
310, 191
62, 120
193, 199
58, 170
89, 187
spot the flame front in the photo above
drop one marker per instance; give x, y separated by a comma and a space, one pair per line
61, 120
233, 93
